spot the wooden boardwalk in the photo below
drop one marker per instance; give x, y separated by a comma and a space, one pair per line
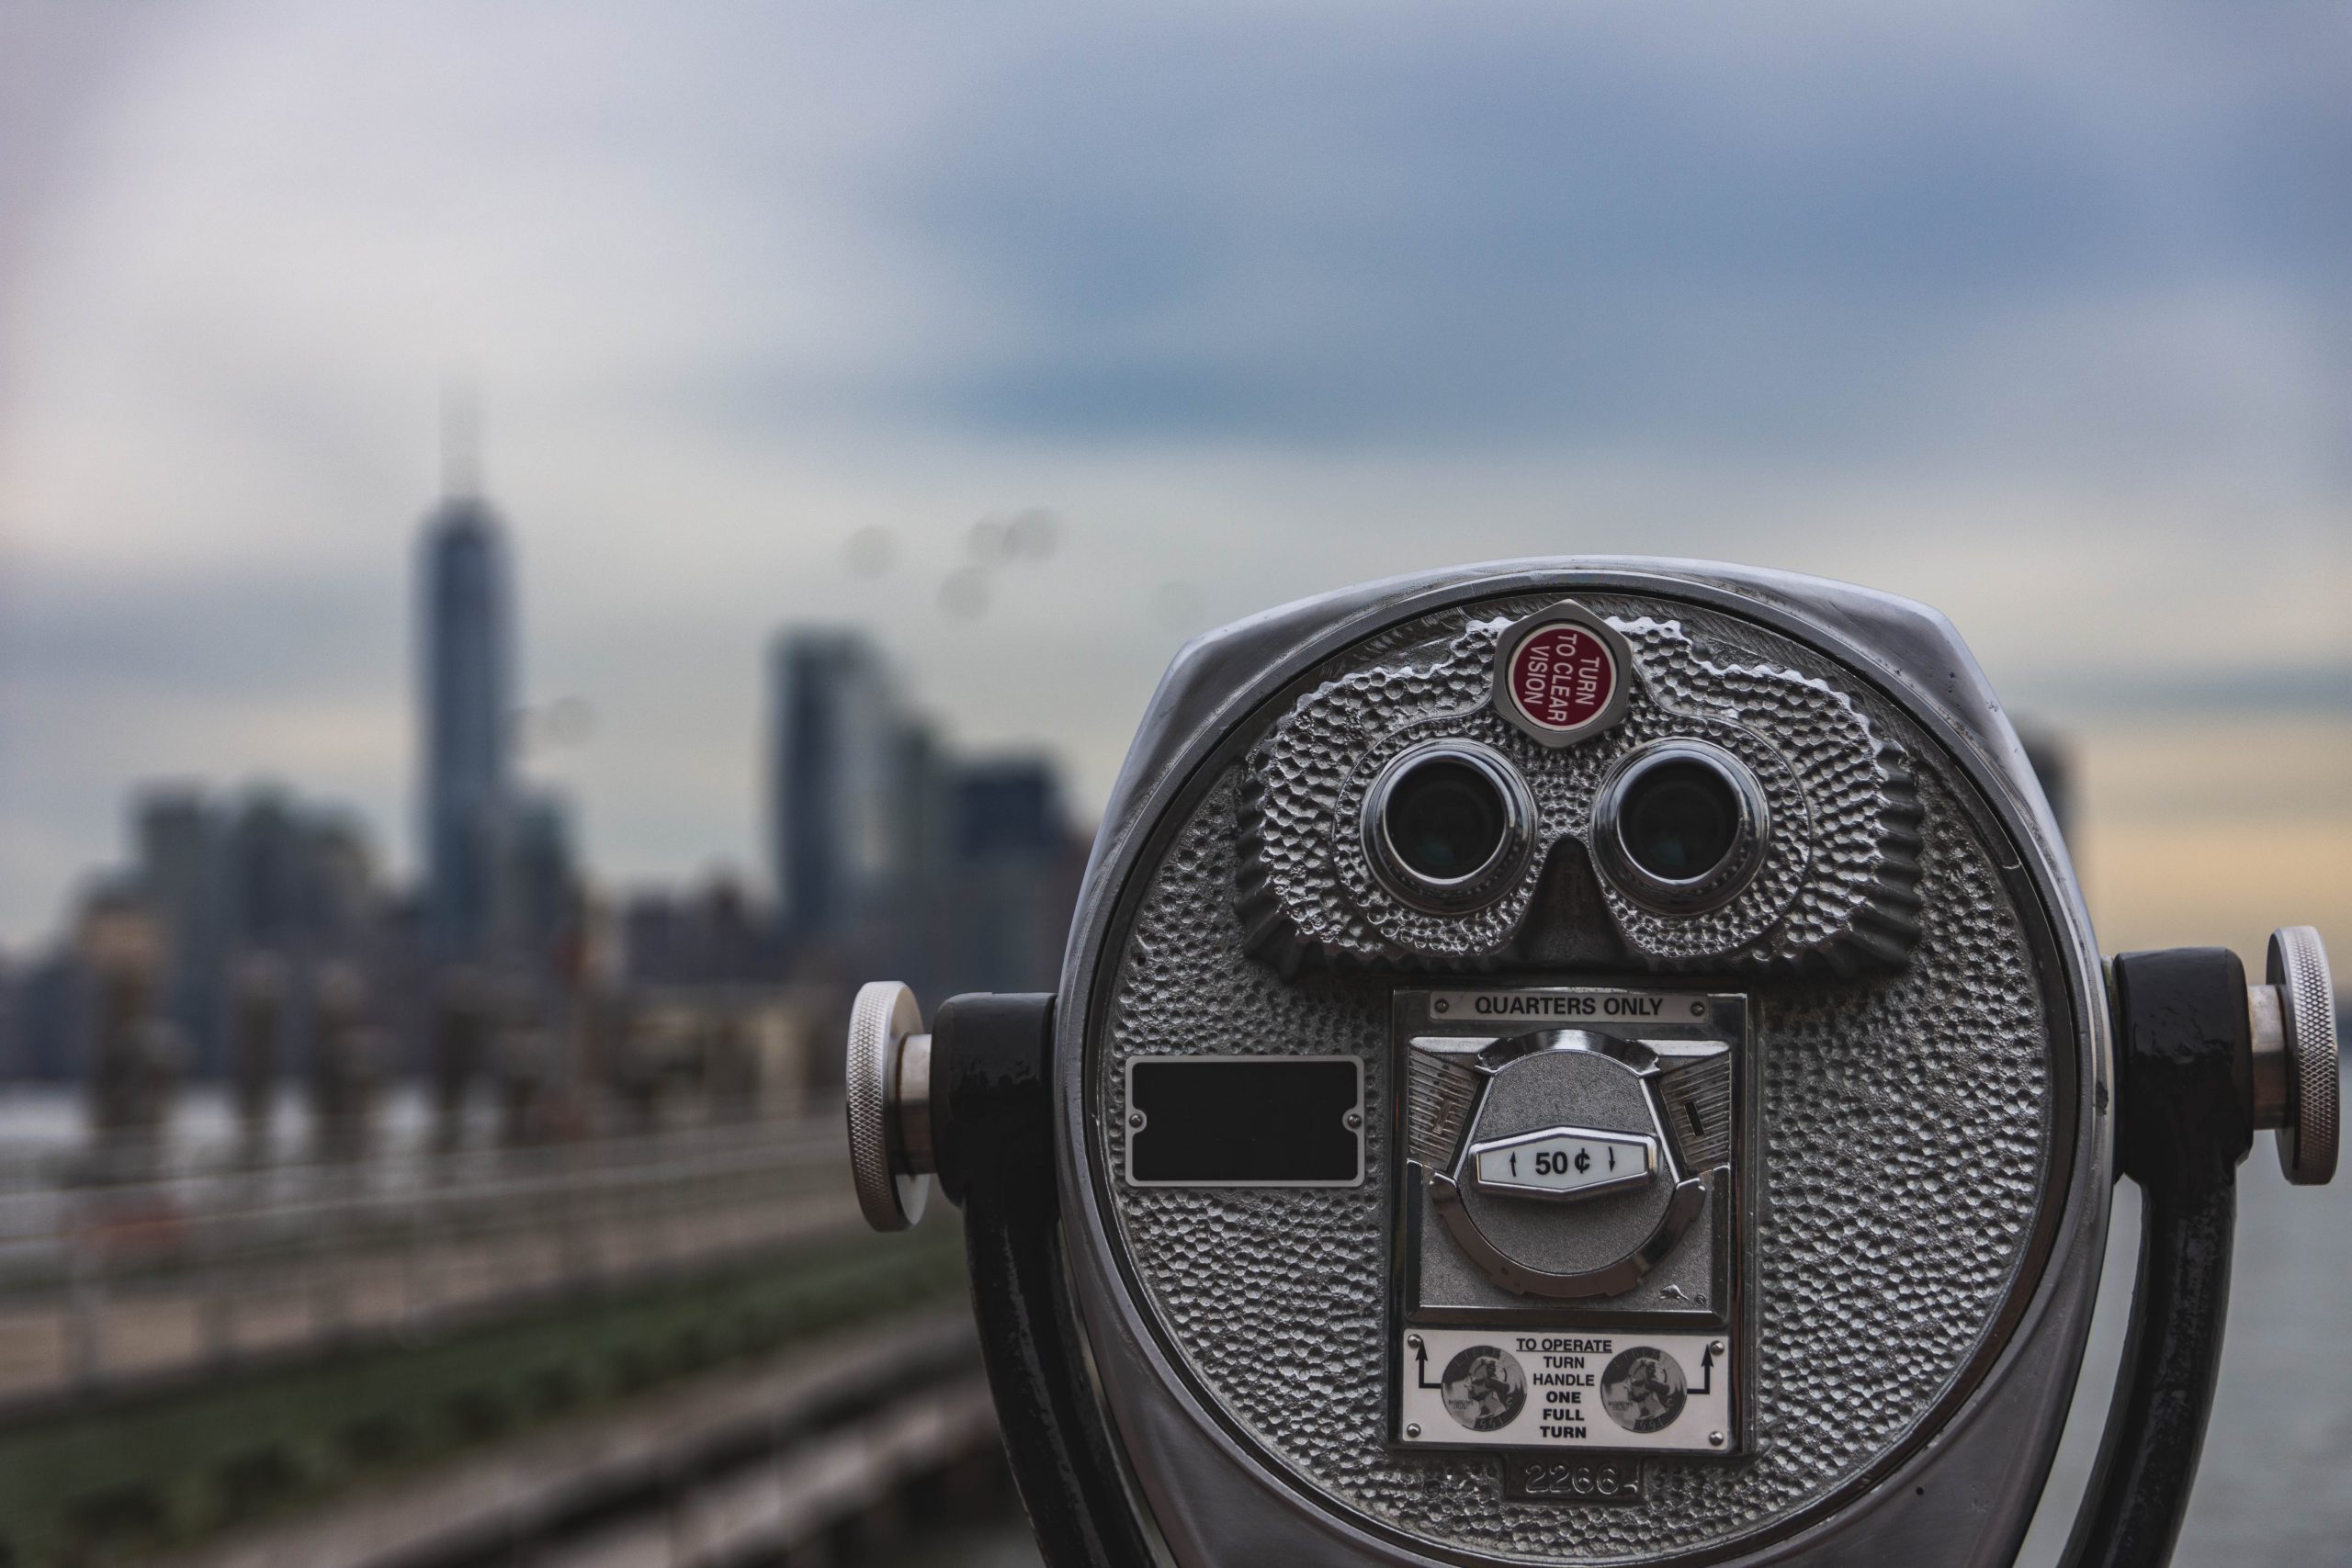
204, 1278
743, 1466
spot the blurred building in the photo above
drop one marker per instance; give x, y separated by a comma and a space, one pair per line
43, 1015
132, 1054
1014, 880
300, 879
848, 779
732, 1053
546, 899
211, 886
268, 875
177, 839
710, 936
892, 855
466, 712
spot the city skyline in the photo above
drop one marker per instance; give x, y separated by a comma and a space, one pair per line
469, 806
252, 935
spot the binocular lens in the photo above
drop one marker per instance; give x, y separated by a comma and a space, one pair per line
1448, 825
1680, 826
1680, 821
1446, 819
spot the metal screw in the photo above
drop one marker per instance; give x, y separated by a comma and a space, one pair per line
1715, 1439
1134, 1120
1412, 1428
1718, 1347
1355, 1119
1412, 1342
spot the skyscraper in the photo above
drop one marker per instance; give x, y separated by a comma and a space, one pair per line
839, 784
543, 878
1015, 878
181, 860
467, 685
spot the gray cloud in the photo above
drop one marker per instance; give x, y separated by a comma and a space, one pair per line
320, 634
1567, 227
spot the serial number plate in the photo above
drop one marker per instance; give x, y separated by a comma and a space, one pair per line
1532, 1479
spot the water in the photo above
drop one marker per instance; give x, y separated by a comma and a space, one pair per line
2273, 1486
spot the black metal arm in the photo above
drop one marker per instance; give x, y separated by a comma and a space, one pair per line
992, 1126
2185, 1119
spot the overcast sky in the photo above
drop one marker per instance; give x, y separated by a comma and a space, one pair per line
2042, 315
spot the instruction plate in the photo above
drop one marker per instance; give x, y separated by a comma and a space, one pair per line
1565, 1389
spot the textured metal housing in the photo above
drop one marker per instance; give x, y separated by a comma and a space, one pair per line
1836, 890
1947, 1303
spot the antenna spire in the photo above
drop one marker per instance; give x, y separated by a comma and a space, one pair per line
460, 437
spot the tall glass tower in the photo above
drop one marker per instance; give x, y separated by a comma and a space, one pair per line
467, 697
839, 780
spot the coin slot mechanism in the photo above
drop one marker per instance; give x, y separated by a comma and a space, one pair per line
1245, 1121
1564, 1163
1576, 1314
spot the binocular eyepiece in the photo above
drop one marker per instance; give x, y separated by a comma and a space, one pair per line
1678, 828
1587, 1061
1448, 826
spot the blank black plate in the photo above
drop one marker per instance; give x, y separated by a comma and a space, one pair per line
1246, 1121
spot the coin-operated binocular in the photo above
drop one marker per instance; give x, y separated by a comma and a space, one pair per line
1588, 1062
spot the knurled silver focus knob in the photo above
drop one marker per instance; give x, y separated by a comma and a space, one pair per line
2305, 1003
889, 1095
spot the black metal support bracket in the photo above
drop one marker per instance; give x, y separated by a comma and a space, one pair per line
992, 1126
2185, 1119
